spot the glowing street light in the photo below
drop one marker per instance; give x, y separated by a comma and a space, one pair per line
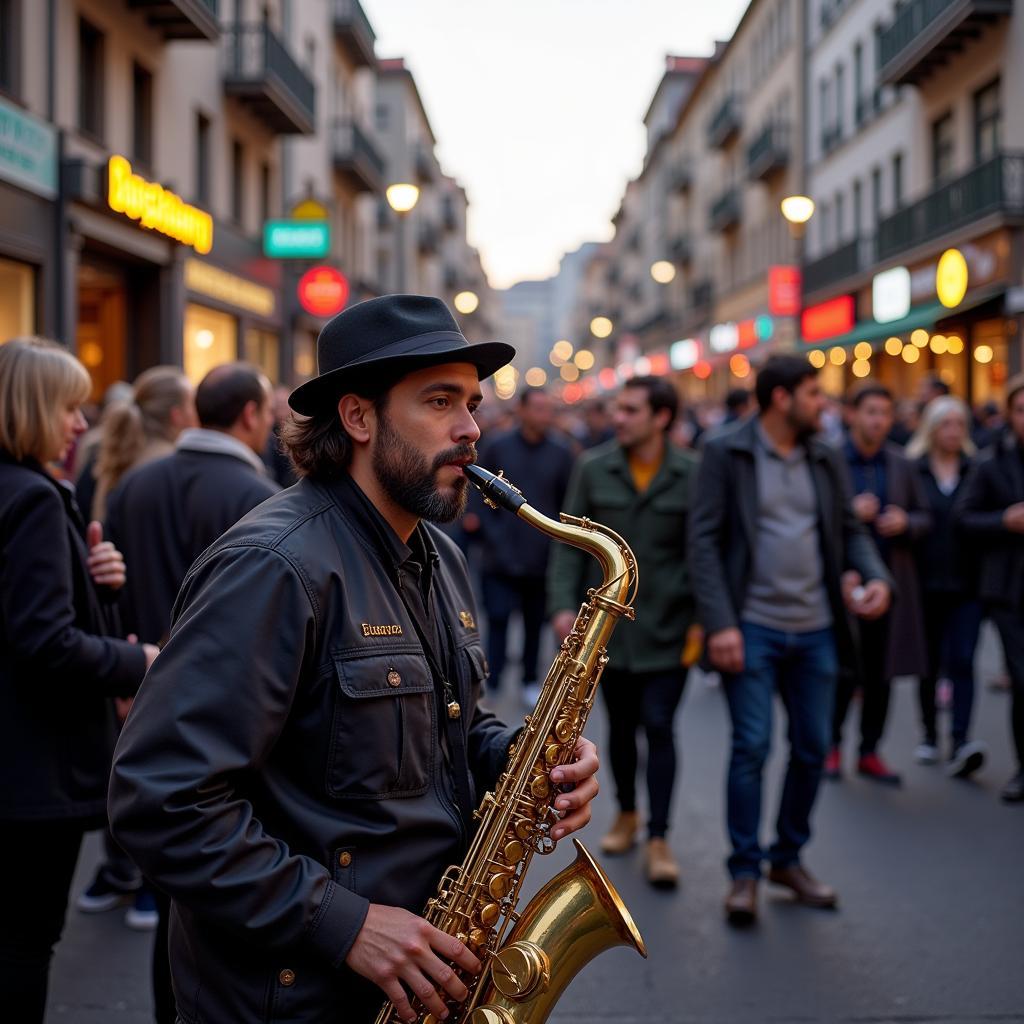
467, 302
601, 327
402, 197
663, 271
798, 210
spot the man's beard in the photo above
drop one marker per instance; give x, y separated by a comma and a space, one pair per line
410, 481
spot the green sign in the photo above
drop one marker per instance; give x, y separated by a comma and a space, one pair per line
28, 151
296, 239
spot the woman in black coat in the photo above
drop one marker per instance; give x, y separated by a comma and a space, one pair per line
947, 568
59, 668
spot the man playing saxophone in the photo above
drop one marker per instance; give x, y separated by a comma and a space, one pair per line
304, 759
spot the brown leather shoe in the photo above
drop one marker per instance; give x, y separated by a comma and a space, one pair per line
662, 869
622, 834
741, 903
807, 888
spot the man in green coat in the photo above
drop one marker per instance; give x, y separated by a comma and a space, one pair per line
639, 486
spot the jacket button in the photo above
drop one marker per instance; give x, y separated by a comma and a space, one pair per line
394, 679
345, 858
287, 977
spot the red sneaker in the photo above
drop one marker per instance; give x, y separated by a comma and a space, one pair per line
833, 764
871, 766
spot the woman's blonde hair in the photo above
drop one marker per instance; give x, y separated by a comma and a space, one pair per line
37, 379
934, 413
128, 427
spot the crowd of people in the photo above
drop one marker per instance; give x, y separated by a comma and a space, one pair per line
277, 604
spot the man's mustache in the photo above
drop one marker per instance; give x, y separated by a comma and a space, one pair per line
460, 453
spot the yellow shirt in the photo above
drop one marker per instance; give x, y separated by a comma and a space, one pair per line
643, 472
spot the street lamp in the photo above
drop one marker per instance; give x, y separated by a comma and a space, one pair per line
663, 271
402, 197
798, 210
467, 302
601, 327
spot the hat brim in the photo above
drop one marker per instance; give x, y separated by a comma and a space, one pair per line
324, 391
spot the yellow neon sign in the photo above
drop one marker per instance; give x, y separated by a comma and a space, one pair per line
157, 208
218, 284
951, 277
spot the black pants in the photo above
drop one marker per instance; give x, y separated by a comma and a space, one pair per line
1010, 624
37, 864
874, 683
502, 596
647, 699
164, 1008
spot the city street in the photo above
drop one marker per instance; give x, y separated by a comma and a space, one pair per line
929, 928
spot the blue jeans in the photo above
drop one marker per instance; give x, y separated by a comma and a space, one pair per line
803, 667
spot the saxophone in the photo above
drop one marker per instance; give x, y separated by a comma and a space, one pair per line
577, 914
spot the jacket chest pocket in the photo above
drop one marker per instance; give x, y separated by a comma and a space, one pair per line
382, 729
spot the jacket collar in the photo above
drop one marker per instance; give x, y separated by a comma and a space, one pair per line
744, 439
218, 442
65, 489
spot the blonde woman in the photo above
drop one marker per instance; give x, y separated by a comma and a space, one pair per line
943, 450
59, 666
142, 428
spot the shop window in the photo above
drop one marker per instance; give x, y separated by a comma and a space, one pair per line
988, 116
305, 357
263, 349
17, 300
211, 338
102, 330
90, 79
8, 46
943, 147
142, 115
990, 353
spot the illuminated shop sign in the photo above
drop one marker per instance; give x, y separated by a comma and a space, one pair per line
684, 354
157, 208
890, 295
323, 291
951, 278
784, 291
296, 239
230, 289
723, 337
827, 319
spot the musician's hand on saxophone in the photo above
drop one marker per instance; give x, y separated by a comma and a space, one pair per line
579, 784
395, 947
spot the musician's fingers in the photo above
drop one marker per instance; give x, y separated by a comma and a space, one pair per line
585, 765
450, 948
394, 991
423, 989
583, 793
572, 823
443, 974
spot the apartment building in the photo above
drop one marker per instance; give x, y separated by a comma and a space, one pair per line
916, 150
147, 145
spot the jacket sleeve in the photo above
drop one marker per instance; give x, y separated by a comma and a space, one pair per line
38, 609
919, 517
977, 510
489, 740
212, 708
860, 552
567, 565
708, 514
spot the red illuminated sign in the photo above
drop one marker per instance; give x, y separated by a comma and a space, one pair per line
323, 291
827, 319
747, 331
783, 291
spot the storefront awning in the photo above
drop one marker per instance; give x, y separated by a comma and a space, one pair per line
922, 316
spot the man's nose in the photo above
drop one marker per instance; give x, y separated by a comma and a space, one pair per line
467, 428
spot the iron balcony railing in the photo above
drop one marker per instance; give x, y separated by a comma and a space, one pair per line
769, 152
681, 249
725, 123
259, 69
701, 296
355, 154
837, 265
725, 210
994, 186
907, 48
354, 31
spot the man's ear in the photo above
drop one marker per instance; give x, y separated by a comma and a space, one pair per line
250, 415
355, 414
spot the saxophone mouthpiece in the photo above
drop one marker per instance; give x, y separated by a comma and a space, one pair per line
495, 488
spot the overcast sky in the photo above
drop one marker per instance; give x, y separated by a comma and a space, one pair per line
537, 106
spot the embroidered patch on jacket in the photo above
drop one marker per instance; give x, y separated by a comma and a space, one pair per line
467, 620
386, 630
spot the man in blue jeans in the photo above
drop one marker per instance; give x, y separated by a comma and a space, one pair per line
779, 561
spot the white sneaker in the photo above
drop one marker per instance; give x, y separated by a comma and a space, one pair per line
966, 759
531, 694
926, 753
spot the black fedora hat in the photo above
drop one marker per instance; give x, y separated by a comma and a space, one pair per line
384, 339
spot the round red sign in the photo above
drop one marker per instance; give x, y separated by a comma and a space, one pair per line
323, 291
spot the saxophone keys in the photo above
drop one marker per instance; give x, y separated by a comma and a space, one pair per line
553, 753
514, 852
499, 886
490, 914
564, 729
524, 829
540, 787
478, 938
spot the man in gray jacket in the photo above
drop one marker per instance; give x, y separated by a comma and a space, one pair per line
778, 559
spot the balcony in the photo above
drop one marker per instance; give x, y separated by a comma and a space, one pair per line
768, 153
993, 187
428, 239
702, 295
681, 178
449, 215
181, 19
831, 137
724, 212
725, 125
356, 159
834, 266
263, 76
680, 250
426, 168
354, 33
451, 278
924, 33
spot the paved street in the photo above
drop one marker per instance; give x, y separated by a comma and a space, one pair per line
929, 928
